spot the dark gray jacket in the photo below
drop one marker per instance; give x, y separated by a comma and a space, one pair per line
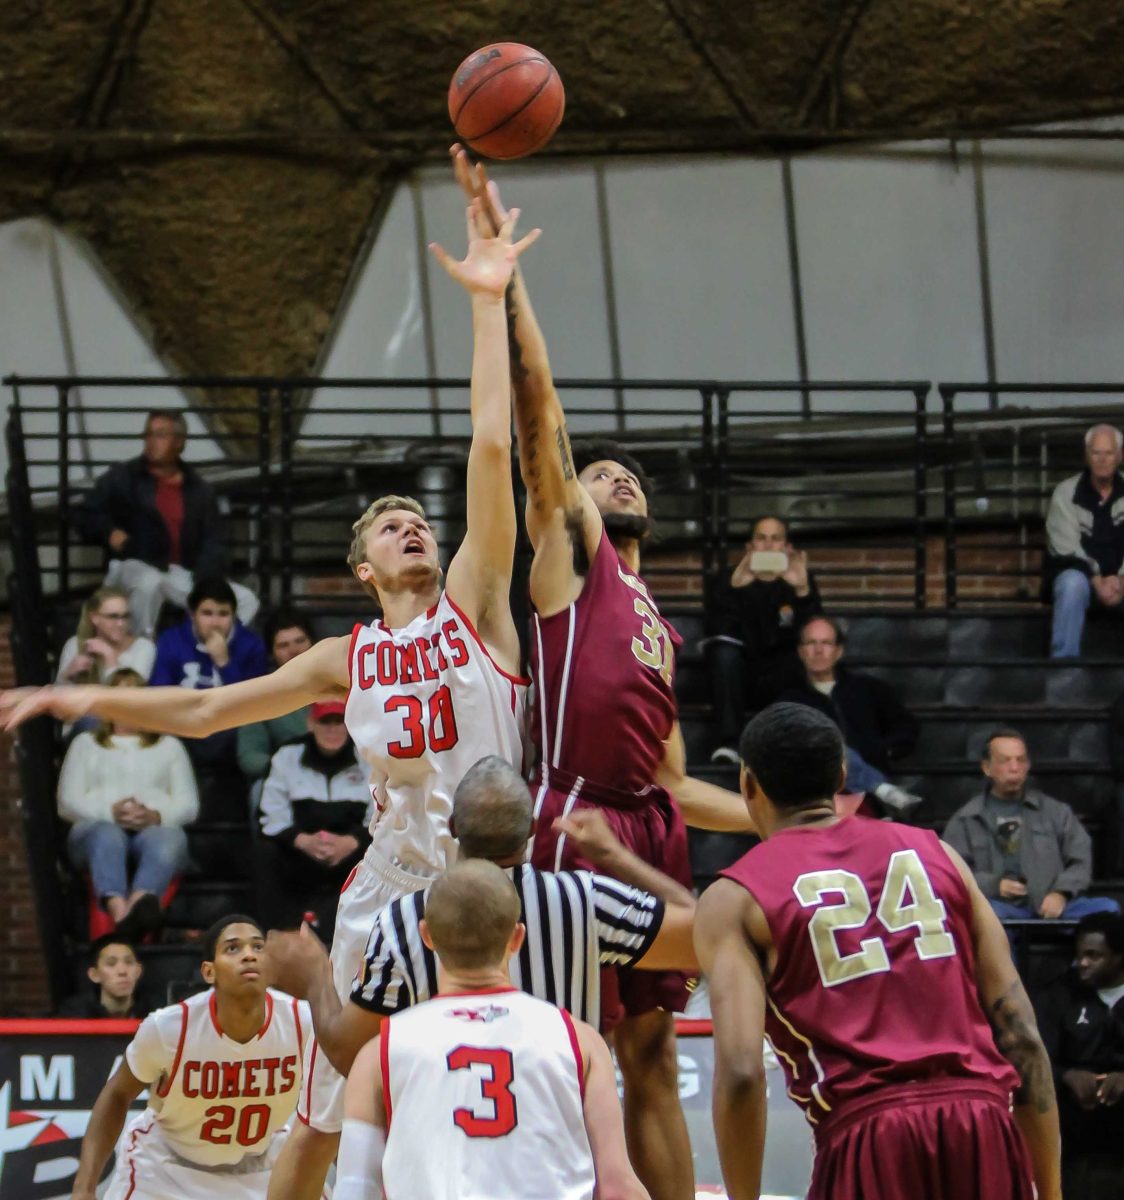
1056, 853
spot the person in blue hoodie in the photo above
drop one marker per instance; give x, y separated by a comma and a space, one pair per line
210, 648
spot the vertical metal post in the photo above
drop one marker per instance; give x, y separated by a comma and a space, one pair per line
793, 243
721, 472
286, 449
709, 491
64, 490
265, 497
948, 476
920, 465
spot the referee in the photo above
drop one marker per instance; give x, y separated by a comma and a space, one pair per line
630, 915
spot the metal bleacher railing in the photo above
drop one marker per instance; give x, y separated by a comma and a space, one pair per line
929, 479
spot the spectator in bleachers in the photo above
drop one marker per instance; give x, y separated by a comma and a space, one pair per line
104, 642
877, 728
209, 648
159, 520
1085, 536
1029, 853
128, 795
1081, 1019
287, 634
754, 615
315, 809
114, 973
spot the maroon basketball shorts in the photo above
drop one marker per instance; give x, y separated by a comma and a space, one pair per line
651, 826
952, 1141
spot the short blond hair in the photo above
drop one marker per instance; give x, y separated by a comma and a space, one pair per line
470, 913
358, 552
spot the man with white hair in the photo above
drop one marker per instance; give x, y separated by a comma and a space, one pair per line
1085, 533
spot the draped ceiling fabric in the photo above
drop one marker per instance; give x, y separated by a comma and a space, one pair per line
226, 158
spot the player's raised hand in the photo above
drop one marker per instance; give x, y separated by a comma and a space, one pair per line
474, 182
296, 960
487, 267
23, 704
590, 832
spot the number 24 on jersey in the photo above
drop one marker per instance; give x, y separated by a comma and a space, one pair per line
908, 901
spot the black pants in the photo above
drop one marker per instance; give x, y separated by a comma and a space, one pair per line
290, 884
742, 686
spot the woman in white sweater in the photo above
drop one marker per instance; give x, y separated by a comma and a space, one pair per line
128, 794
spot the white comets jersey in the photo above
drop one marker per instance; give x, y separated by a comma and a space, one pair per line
212, 1100
426, 702
484, 1101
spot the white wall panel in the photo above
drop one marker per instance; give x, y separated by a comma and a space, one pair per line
1055, 218
381, 335
889, 267
700, 265
48, 279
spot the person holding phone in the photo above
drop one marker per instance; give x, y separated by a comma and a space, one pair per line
754, 614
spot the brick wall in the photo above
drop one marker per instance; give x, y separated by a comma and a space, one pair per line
992, 567
23, 980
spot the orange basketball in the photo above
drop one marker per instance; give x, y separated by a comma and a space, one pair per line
506, 101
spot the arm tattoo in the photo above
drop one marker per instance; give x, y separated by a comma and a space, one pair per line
1018, 1041
514, 349
564, 453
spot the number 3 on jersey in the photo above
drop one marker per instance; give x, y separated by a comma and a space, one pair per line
908, 901
653, 647
439, 732
494, 1087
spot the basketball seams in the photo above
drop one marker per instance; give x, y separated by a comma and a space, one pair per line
476, 139
495, 75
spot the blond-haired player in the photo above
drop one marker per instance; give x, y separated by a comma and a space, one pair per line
484, 1092
223, 1071
430, 688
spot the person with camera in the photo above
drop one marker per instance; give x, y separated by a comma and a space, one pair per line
1029, 853
754, 615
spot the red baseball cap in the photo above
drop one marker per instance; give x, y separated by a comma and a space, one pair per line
327, 708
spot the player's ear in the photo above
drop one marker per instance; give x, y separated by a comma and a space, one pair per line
207, 970
423, 929
747, 783
92, 974
841, 779
518, 934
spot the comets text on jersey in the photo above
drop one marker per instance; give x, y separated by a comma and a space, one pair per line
387, 663
247, 1077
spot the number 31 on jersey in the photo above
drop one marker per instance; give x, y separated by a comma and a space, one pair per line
907, 902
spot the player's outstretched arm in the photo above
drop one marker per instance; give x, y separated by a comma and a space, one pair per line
558, 507
480, 573
319, 674
301, 967
703, 805
673, 947
604, 1124
363, 1140
107, 1119
737, 1004
1011, 1014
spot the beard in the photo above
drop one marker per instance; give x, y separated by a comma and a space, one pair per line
623, 527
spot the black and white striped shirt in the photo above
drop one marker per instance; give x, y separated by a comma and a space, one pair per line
576, 923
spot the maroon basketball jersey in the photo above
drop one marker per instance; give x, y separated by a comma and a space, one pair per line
875, 980
603, 670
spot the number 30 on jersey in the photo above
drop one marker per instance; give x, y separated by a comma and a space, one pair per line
907, 902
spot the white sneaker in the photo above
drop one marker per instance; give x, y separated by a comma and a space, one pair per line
726, 754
